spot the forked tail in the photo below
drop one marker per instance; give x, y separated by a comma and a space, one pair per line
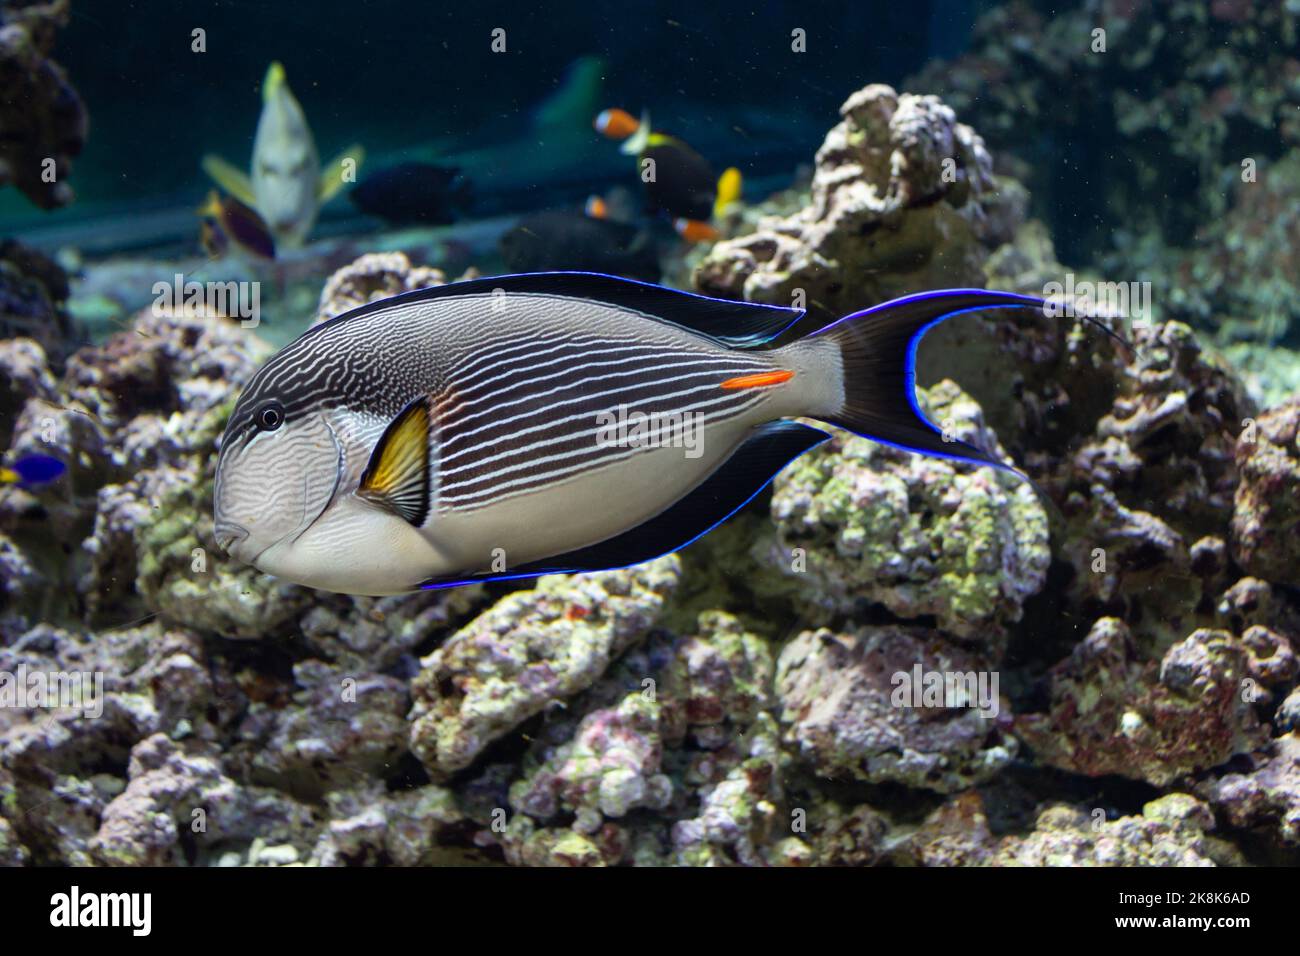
878, 351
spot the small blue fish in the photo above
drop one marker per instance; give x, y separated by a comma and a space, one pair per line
32, 470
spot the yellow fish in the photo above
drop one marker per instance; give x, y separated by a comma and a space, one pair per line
286, 185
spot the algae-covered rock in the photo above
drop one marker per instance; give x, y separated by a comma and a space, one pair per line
611, 766
1267, 795
175, 788
858, 522
1266, 510
531, 649
1113, 712
339, 728
371, 827
1154, 480
180, 571
679, 729
853, 707
1172, 831
739, 818
846, 836
901, 201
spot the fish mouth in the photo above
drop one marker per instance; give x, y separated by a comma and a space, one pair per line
231, 538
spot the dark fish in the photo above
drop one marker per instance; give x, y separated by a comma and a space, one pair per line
685, 185
31, 470
225, 223
560, 239
681, 183
514, 426
412, 193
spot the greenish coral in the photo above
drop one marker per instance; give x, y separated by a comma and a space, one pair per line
531, 649
858, 521
1173, 830
842, 709
1114, 712
180, 572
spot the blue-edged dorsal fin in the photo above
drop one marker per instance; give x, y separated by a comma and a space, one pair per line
747, 472
741, 325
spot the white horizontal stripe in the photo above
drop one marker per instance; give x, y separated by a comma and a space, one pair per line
530, 349
472, 501
641, 368
476, 479
587, 415
498, 388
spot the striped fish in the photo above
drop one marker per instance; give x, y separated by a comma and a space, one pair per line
556, 422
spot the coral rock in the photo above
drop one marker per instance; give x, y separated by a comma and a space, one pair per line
898, 204
846, 708
1266, 510
526, 653
1114, 713
859, 522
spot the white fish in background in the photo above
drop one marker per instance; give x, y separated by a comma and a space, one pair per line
286, 184
461, 433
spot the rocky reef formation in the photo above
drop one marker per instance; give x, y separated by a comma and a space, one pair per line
42, 119
885, 660
33, 301
903, 196
1181, 114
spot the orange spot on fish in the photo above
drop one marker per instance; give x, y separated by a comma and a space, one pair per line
692, 230
597, 208
759, 379
616, 124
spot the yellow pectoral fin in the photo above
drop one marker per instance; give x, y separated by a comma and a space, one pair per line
397, 477
9, 477
232, 180
339, 171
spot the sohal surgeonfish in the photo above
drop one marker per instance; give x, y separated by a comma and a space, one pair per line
286, 184
514, 426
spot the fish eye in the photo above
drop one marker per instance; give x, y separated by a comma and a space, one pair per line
270, 417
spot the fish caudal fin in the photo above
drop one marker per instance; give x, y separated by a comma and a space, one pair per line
878, 352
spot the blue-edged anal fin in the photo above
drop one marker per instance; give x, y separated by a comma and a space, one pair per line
731, 486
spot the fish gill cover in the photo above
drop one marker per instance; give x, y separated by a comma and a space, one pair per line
879, 658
